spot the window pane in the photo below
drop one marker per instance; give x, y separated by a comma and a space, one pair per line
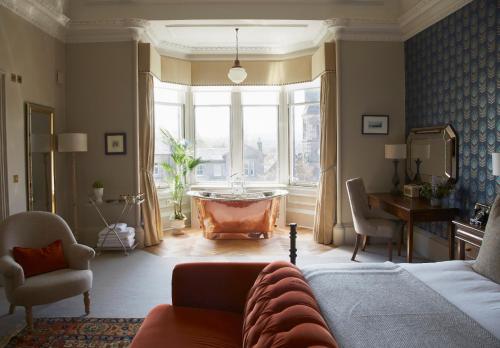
306, 151
168, 92
260, 98
212, 98
260, 143
168, 118
212, 125
306, 96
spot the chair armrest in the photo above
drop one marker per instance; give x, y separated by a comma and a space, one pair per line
11, 271
79, 255
214, 285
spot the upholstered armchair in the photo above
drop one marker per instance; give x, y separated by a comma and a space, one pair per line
370, 222
37, 230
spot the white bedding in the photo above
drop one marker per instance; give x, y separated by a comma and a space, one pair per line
472, 293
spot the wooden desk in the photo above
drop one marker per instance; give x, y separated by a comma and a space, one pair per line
464, 232
413, 210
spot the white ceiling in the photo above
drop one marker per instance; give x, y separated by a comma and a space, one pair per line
204, 29
208, 37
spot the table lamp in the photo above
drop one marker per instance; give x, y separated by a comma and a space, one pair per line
395, 152
73, 142
420, 152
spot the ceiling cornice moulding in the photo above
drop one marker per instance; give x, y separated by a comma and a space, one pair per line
42, 14
364, 30
427, 12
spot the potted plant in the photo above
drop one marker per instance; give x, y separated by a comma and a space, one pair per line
98, 190
436, 191
183, 162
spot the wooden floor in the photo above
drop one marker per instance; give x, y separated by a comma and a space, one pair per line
192, 243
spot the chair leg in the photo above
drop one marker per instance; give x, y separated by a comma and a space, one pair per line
86, 301
356, 246
389, 249
12, 308
365, 243
29, 317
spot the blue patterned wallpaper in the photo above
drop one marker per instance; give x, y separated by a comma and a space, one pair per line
453, 77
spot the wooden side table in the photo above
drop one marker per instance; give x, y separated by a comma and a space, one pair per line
464, 232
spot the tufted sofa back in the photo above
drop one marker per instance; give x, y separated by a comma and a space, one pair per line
281, 311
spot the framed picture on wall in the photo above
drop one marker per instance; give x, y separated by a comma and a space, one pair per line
375, 124
115, 143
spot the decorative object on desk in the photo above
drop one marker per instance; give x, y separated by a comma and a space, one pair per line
73, 143
183, 162
395, 152
375, 124
412, 190
419, 153
481, 213
436, 190
115, 143
237, 73
98, 190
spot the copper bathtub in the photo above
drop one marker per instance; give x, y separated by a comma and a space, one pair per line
238, 216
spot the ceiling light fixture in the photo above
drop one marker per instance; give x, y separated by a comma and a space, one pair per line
237, 73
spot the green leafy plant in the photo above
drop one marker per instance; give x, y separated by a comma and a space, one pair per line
438, 191
184, 163
97, 184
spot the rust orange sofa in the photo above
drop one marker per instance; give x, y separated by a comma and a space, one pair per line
221, 305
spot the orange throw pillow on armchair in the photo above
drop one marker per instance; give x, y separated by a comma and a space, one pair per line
40, 260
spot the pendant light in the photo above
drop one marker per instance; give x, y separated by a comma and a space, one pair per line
237, 73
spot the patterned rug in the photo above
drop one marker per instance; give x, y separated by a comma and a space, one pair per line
78, 332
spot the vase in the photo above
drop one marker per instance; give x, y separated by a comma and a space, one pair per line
435, 202
98, 192
178, 225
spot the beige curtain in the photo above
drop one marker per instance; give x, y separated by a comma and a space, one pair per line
153, 231
324, 220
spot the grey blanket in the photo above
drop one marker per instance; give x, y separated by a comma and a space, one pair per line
383, 305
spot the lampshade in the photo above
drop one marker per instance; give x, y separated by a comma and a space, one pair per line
421, 151
72, 142
495, 163
237, 74
395, 151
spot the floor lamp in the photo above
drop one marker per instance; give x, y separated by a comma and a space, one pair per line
73, 142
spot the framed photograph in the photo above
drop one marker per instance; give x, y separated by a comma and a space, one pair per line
115, 143
375, 124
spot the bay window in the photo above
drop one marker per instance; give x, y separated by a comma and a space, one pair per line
266, 135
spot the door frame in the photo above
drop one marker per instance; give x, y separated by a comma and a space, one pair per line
4, 182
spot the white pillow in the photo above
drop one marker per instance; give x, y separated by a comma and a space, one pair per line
488, 259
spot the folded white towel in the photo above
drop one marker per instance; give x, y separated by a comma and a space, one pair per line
116, 243
126, 231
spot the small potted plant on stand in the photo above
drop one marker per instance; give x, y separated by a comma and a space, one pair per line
98, 190
436, 190
183, 162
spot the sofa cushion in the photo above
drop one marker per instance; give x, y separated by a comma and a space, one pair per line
281, 311
40, 260
488, 259
174, 326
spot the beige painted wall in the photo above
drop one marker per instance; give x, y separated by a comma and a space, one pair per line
372, 81
100, 99
36, 56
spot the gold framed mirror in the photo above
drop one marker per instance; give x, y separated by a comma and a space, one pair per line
40, 161
432, 151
